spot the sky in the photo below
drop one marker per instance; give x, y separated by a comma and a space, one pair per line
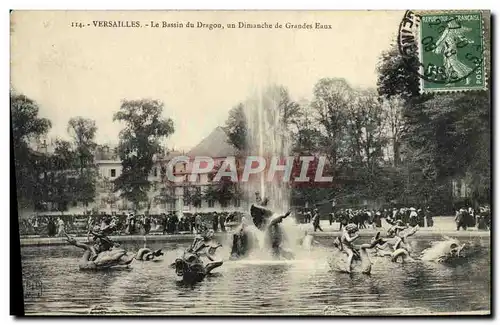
199, 74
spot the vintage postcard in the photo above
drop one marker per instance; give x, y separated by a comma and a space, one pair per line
327, 163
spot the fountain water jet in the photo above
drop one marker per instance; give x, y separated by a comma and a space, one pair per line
267, 137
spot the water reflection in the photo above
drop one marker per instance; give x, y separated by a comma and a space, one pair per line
304, 286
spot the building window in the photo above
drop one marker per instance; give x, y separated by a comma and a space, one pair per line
211, 203
113, 172
223, 204
75, 204
155, 172
237, 203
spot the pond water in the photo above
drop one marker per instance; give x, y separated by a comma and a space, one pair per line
305, 286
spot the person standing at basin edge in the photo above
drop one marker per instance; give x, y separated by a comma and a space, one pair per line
483, 222
191, 223
471, 217
164, 222
316, 219
421, 218
428, 217
197, 223
222, 219
180, 224
377, 219
90, 222
174, 222
215, 221
413, 217
130, 224
34, 221
460, 219
60, 227
343, 219
146, 224
51, 227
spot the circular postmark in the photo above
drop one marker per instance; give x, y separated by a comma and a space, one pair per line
442, 47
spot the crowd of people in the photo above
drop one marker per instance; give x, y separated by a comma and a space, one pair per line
469, 217
128, 224
422, 217
370, 218
143, 224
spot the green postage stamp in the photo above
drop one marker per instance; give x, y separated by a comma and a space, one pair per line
451, 51
446, 49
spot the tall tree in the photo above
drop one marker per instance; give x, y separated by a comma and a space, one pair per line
393, 115
236, 127
290, 111
439, 138
453, 140
27, 126
366, 140
396, 76
365, 129
308, 137
139, 142
59, 176
330, 102
64, 158
83, 132
272, 112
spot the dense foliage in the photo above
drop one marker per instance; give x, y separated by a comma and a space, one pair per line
390, 145
387, 146
140, 138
